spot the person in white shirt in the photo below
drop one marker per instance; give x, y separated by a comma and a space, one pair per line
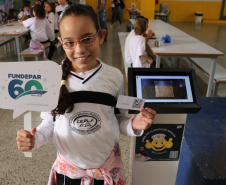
85, 126
40, 28
50, 14
59, 9
136, 45
133, 11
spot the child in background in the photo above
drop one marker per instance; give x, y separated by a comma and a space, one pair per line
50, 14
56, 4
136, 45
60, 8
26, 12
12, 16
85, 126
40, 28
133, 11
38, 2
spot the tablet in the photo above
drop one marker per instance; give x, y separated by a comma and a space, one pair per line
165, 90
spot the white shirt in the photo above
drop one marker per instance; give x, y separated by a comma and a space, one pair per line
136, 48
40, 29
59, 9
51, 19
128, 58
88, 134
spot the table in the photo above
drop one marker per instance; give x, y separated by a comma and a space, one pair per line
15, 30
183, 45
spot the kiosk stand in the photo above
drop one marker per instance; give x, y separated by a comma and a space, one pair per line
172, 93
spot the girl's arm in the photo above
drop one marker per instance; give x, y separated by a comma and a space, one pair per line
125, 123
135, 126
44, 131
24, 17
149, 59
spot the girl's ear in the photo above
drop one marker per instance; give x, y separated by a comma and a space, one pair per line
102, 35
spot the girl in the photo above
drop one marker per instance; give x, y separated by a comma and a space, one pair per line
86, 125
50, 14
40, 28
136, 45
12, 16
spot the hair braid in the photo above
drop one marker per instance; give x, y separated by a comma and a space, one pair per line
64, 103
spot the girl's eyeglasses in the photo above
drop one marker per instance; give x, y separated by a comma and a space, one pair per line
87, 41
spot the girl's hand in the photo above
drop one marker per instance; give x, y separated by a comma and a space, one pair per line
25, 139
150, 34
144, 119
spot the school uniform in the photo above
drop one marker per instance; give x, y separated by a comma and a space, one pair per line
51, 18
40, 30
88, 135
128, 58
59, 9
137, 48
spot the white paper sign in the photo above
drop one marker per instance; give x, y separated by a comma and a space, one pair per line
29, 86
131, 103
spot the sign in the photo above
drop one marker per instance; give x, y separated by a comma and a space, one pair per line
29, 86
161, 142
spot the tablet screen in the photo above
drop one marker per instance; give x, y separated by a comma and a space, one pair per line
164, 88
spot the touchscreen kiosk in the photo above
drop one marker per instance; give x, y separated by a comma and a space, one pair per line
165, 90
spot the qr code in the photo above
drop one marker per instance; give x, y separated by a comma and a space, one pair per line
137, 103
173, 154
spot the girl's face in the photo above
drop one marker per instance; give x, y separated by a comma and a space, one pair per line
75, 28
14, 14
47, 8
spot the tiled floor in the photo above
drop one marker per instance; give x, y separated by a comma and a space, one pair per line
18, 170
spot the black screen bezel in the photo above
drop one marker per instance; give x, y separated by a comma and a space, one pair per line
167, 107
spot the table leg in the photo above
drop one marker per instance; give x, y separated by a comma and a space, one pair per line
18, 47
158, 59
210, 83
190, 64
173, 60
178, 62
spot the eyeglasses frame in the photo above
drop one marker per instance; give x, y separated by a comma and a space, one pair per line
79, 41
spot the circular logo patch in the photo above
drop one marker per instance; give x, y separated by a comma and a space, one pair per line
85, 122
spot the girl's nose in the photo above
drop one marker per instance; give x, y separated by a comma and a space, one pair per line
79, 48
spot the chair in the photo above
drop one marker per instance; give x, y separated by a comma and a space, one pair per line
4, 16
167, 16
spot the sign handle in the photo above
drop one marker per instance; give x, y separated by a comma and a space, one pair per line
27, 127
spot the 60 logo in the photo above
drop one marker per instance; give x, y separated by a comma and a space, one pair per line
16, 91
